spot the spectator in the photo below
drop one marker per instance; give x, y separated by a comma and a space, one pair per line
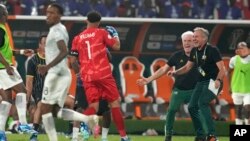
127, 9
111, 8
229, 10
83, 7
172, 9
69, 6
148, 9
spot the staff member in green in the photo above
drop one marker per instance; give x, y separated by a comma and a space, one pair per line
210, 66
184, 84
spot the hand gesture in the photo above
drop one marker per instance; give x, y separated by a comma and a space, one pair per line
142, 81
42, 69
28, 52
112, 31
171, 73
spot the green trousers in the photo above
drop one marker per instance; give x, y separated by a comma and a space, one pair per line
178, 97
200, 111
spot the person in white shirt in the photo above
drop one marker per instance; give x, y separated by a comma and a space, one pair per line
58, 77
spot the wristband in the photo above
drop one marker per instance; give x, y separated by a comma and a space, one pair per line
22, 51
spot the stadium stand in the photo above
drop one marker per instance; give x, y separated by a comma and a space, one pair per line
194, 9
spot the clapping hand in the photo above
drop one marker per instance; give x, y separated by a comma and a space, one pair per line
112, 31
142, 81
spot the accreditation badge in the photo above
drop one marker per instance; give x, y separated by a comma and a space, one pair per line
201, 71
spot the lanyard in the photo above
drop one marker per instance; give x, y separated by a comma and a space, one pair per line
204, 57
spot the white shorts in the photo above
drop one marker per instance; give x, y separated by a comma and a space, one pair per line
240, 99
56, 86
8, 81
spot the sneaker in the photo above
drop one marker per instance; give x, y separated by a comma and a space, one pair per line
3, 136
84, 130
96, 131
168, 138
33, 137
212, 138
127, 139
25, 128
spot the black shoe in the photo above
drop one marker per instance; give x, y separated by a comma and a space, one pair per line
168, 138
200, 139
212, 138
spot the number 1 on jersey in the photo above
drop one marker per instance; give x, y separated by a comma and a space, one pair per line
88, 48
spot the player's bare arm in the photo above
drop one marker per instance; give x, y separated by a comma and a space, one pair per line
221, 74
9, 69
63, 53
183, 69
29, 86
26, 52
74, 64
117, 45
163, 70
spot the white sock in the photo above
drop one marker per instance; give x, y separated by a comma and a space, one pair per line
21, 103
238, 121
105, 132
75, 132
246, 121
93, 121
68, 114
49, 126
4, 113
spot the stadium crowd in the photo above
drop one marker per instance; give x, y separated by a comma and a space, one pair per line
196, 9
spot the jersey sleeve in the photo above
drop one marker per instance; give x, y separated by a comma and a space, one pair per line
192, 56
232, 62
31, 68
216, 54
58, 35
171, 60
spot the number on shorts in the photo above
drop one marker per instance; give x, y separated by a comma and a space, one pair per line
46, 91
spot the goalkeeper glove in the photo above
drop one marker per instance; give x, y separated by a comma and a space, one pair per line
112, 31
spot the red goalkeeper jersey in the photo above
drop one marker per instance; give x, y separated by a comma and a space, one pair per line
90, 45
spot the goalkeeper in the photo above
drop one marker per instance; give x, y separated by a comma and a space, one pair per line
89, 47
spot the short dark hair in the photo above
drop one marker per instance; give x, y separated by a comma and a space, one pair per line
94, 16
41, 37
59, 7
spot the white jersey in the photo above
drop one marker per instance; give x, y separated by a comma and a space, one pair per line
56, 33
243, 60
58, 78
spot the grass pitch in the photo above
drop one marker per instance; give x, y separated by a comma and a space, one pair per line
42, 137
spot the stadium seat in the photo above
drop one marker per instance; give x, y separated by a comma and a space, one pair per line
132, 69
225, 95
162, 87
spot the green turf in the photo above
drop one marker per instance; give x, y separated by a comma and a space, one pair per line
15, 137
